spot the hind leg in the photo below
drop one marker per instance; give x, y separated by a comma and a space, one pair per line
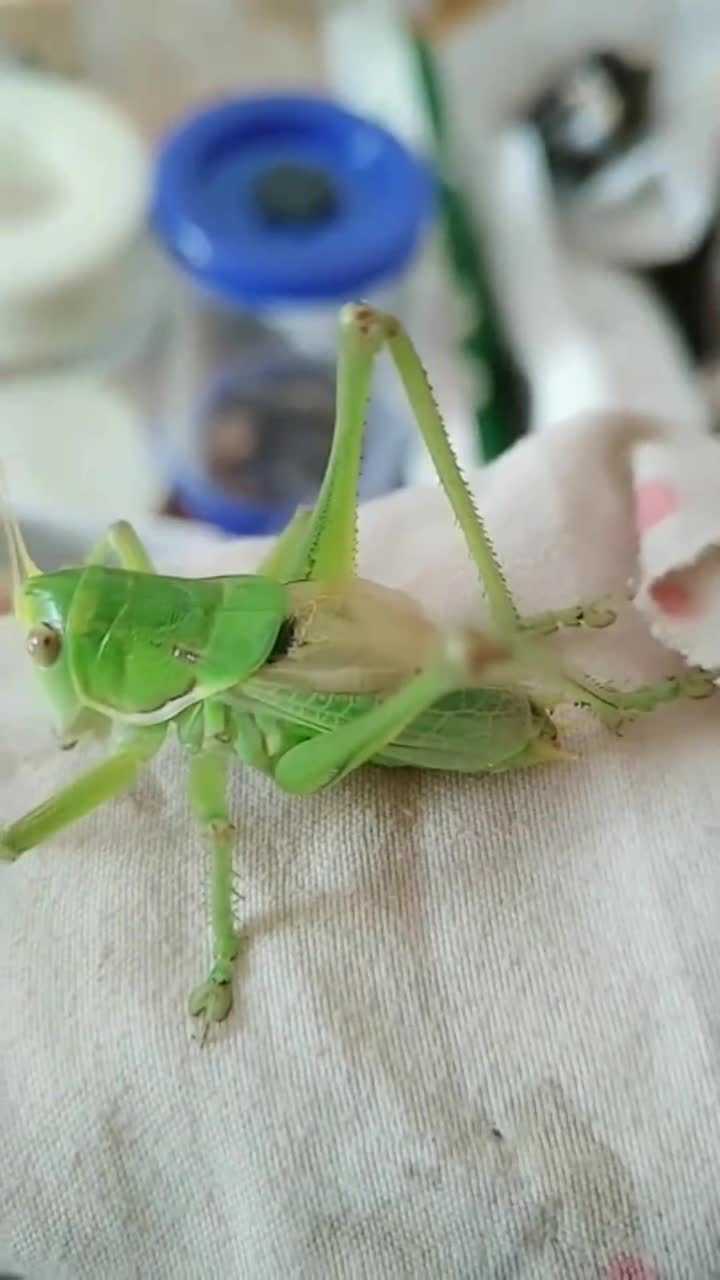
613, 705
327, 538
81, 797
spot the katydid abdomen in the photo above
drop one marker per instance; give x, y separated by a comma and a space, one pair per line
353, 644
467, 731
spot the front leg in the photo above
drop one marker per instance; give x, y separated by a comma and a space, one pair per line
82, 796
208, 785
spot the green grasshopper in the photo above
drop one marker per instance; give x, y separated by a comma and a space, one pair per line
304, 670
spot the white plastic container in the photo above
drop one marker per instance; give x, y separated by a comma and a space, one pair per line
83, 301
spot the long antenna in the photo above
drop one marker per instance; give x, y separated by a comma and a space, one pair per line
22, 566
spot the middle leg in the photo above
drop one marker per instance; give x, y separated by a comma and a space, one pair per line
208, 787
122, 541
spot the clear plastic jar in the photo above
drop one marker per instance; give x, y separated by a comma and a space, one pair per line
276, 211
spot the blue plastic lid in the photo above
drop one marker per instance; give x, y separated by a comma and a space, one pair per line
282, 199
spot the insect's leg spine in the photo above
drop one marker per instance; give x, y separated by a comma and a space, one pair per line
421, 396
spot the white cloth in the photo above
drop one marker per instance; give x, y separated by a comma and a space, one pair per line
594, 341
676, 485
477, 1025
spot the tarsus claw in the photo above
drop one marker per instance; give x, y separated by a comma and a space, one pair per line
698, 684
214, 999
598, 616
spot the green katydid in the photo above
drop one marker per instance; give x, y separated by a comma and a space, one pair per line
304, 670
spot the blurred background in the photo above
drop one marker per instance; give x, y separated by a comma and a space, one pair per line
190, 189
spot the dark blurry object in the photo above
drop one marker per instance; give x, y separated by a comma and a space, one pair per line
595, 113
274, 444
261, 439
293, 194
689, 289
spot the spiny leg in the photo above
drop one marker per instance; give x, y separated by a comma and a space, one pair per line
600, 613
208, 787
422, 400
321, 544
329, 543
326, 547
122, 541
329, 540
320, 541
82, 796
604, 699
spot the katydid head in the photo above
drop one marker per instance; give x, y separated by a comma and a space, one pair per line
41, 604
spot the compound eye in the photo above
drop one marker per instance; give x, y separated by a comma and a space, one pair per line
44, 645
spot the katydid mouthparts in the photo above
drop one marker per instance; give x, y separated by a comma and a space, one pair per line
303, 670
